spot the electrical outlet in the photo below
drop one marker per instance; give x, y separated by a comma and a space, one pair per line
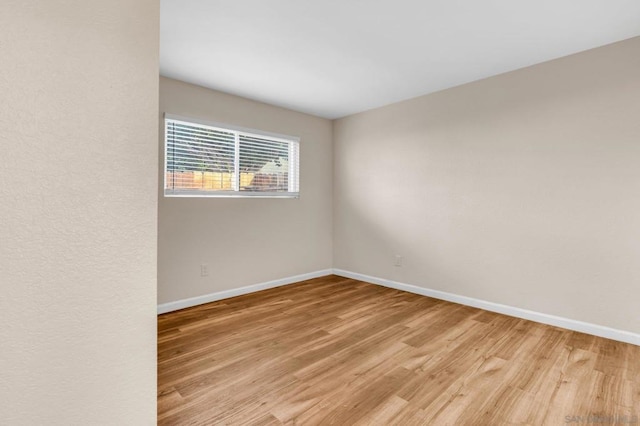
204, 270
397, 260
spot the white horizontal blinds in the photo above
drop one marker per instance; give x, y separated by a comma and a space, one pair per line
266, 161
294, 167
198, 158
205, 160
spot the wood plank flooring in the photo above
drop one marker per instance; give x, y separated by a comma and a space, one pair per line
338, 351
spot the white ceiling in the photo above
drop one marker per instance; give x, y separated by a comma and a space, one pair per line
333, 58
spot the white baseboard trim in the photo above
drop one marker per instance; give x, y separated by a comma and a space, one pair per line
570, 324
225, 294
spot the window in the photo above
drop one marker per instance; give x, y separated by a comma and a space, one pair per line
205, 160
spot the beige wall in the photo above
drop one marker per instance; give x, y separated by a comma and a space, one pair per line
521, 189
244, 241
79, 85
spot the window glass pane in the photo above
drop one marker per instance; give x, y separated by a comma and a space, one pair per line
199, 158
264, 165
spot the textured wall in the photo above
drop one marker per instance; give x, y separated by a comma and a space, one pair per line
78, 184
244, 241
521, 189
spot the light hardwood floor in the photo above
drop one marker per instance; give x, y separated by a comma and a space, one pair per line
338, 351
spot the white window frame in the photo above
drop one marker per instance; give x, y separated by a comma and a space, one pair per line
294, 166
